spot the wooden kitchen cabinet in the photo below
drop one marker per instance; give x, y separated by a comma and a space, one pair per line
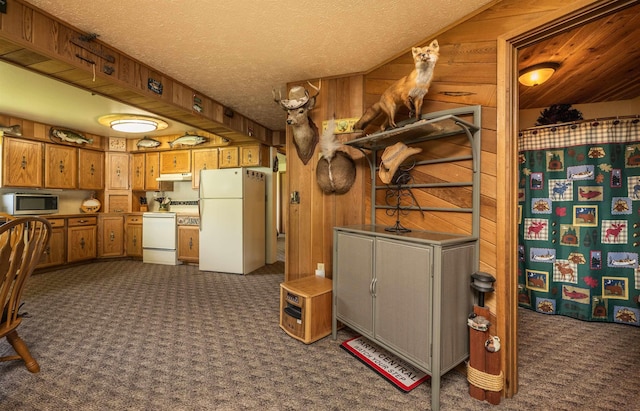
133, 236
117, 171
228, 157
254, 156
152, 171
81, 238
54, 254
117, 202
22, 162
137, 171
177, 161
90, 170
111, 236
188, 243
205, 159
61, 166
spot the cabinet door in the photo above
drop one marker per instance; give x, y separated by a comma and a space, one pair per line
133, 231
90, 170
228, 157
253, 156
21, 163
205, 159
81, 244
175, 162
353, 281
111, 236
403, 298
61, 166
54, 253
152, 168
137, 171
117, 171
188, 243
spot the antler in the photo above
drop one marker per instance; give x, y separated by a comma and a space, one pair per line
276, 99
317, 89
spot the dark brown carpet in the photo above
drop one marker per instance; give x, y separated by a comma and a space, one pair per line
123, 335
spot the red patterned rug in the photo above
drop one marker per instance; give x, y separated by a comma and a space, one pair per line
403, 376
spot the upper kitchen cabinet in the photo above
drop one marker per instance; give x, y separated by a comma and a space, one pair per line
117, 171
137, 171
91, 170
61, 166
21, 163
205, 159
228, 157
178, 161
254, 156
152, 168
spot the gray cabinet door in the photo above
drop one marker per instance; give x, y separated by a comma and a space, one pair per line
353, 281
402, 288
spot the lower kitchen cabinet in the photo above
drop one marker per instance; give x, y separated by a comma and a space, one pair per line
81, 238
111, 236
188, 243
408, 292
133, 236
54, 254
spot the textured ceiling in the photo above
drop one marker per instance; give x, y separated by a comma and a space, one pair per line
237, 51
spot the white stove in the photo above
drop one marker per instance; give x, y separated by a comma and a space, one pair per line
159, 238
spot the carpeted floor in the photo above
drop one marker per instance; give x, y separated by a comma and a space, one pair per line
123, 335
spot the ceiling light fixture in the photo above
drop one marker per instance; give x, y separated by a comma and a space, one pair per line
132, 123
538, 74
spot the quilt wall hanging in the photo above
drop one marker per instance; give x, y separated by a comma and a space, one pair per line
579, 220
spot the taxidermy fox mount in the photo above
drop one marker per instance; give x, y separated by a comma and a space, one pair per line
409, 90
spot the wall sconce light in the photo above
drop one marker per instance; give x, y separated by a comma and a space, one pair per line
132, 123
538, 74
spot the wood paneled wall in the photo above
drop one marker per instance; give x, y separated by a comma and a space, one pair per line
309, 239
40, 42
466, 74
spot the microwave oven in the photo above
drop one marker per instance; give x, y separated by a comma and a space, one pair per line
29, 203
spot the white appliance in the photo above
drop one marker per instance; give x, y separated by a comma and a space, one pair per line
159, 238
29, 203
232, 207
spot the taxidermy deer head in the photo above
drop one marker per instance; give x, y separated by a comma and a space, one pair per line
305, 132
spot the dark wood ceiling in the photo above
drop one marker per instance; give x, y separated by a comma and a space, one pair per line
599, 62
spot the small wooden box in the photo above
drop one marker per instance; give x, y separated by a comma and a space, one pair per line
305, 308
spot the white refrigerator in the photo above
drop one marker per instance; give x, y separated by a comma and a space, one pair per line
232, 206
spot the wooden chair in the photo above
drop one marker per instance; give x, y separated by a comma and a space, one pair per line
22, 242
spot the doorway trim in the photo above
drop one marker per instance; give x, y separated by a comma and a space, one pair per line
577, 14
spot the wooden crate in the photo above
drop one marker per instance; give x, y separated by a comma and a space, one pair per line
305, 308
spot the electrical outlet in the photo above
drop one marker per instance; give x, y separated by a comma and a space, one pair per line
321, 266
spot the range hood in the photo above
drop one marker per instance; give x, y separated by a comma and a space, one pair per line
175, 177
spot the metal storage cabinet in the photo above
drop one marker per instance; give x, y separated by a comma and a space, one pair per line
409, 293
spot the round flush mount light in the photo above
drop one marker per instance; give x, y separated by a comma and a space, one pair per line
132, 123
538, 74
